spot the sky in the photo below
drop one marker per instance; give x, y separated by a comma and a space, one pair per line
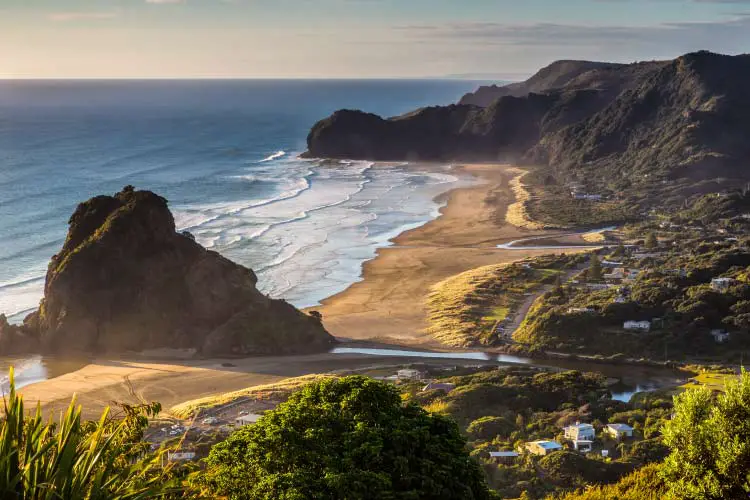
508, 39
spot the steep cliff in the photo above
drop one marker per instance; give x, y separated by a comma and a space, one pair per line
126, 280
621, 126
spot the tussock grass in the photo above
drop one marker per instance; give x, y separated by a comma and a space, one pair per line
276, 391
463, 309
517, 213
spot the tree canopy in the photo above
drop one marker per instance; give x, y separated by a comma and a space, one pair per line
710, 441
348, 438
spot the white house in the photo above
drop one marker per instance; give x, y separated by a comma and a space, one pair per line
721, 284
248, 419
180, 456
542, 447
642, 326
408, 373
619, 431
580, 432
720, 336
582, 436
617, 273
620, 299
581, 310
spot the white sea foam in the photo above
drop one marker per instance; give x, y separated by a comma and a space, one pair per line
275, 156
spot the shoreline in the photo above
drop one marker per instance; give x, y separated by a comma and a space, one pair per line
385, 307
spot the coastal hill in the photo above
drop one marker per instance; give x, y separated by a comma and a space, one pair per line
644, 127
126, 280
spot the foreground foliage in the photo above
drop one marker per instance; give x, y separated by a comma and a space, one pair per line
348, 438
76, 460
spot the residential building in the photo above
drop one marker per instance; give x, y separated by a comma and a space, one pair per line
720, 336
619, 431
617, 273
643, 326
580, 432
583, 445
721, 284
504, 457
409, 373
580, 310
180, 456
620, 299
248, 419
439, 386
542, 448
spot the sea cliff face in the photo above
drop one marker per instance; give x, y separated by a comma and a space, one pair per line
126, 280
623, 126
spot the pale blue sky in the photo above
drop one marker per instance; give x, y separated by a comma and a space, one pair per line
351, 38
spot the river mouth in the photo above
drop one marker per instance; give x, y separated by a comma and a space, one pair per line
630, 379
32, 369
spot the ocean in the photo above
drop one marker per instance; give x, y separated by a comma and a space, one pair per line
225, 155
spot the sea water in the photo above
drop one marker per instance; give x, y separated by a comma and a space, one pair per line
225, 155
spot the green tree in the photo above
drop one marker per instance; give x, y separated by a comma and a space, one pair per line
710, 441
651, 241
348, 438
595, 268
488, 428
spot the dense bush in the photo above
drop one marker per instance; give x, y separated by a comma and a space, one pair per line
348, 438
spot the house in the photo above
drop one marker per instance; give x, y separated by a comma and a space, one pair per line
504, 457
542, 448
439, 386
617, 273
580, 432
580, 310
642, 326
248, 419
180, 456
721, 284
619, 431
408, 373
620, 299
583, 445
610, 263
633, 274
720, 336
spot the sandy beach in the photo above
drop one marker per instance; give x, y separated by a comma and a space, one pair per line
387, 306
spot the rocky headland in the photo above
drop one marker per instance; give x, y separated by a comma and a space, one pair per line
625, 127
126, 280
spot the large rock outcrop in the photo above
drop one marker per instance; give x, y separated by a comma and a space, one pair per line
622, 127
126, 280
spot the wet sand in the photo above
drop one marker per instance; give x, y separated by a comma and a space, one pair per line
387, 306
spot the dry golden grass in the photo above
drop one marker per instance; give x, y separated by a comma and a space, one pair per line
462, 309
278, 391
517, 213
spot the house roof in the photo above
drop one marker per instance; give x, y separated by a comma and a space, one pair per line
496, 454
580, 427
547, 445
620, 427
442, 386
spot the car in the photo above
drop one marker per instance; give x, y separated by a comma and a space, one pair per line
210, 420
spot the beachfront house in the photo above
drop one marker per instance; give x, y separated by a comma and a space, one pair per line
721, 284
504, 457
542, 448
640, 326
409, 374
439, 386
720, 335
248, 419
619, 431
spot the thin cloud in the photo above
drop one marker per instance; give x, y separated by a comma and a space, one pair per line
163, 2
63, 17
